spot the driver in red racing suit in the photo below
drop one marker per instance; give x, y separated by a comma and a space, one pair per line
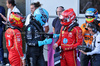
14, 40
70, 38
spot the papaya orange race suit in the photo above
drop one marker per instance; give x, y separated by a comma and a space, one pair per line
86, 35
14, 46
68, 42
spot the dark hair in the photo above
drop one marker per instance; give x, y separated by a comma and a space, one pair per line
61, 7
37, 4
94, 24
58, 7
11, 2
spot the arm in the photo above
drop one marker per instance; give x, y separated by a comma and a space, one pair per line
97, 48
27, 20
3, 12
78, 40
79, 37
3, 17
58, 43
59, 40
53, 30
18, 43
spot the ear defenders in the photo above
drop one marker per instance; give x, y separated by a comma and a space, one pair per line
94, 30
93, 27
61, 7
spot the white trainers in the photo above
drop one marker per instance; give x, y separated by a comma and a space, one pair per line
7, 64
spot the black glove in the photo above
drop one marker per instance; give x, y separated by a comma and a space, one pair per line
84, 48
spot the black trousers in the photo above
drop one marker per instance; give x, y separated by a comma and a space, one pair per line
84, 59
1, 45
35, 57
96, 60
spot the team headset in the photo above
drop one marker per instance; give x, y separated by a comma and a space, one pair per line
61, 7
93, 27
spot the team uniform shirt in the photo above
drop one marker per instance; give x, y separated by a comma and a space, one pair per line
86, 35
28, 21
57, 25
14, 46
95, 44
15, 9
68, 42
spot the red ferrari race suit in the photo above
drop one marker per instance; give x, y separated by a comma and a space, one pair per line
14, 46
68, 42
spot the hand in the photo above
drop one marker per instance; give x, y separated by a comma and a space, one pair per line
23, 62
83, 52
3, 16
55, 46
4, 22
45, 42
0, 14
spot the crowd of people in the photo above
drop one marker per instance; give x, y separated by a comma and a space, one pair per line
67, 34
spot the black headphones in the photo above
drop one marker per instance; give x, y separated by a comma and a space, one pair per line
94, 29
61, 7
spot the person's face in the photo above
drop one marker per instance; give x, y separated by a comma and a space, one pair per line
90, 31
7, 4
32, 8
59, 11
89, 17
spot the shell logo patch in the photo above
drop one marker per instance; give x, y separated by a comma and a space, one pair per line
65, 40
62, 32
